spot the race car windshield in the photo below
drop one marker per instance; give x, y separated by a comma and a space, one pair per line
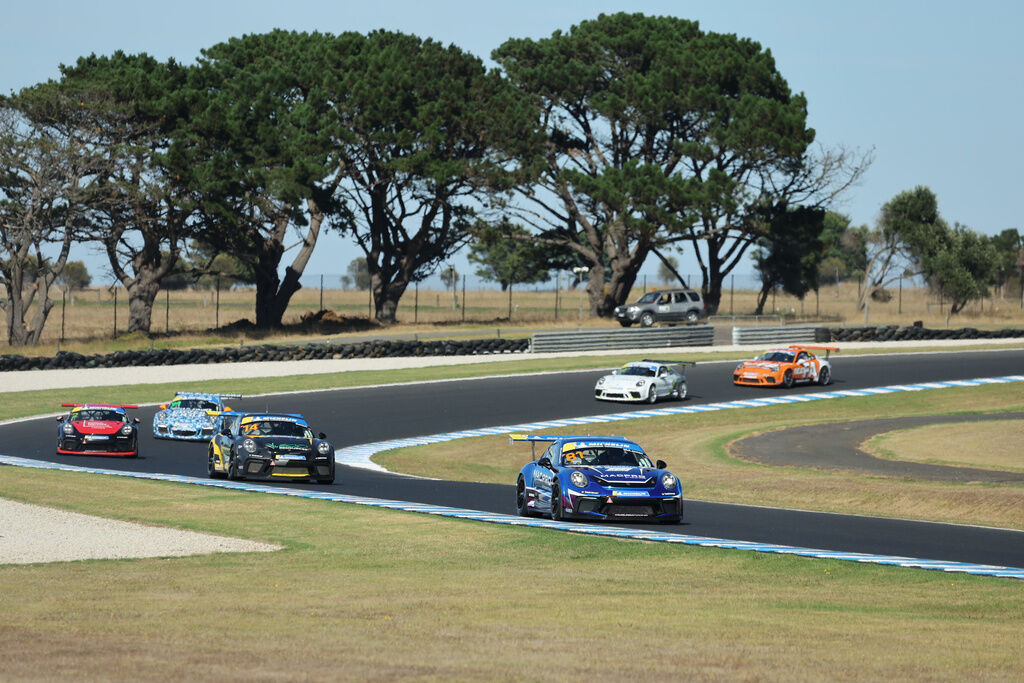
276, 428
99, 414
777, 357
637, 371
198, 403
597, 456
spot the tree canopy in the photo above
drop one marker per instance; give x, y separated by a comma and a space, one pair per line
658, 132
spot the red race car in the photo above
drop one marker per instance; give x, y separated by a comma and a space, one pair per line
97, 429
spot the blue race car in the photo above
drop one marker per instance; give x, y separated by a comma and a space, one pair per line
596, 477
191, 416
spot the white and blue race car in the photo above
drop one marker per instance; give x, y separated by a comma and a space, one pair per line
644, 380
191, 416
597, 478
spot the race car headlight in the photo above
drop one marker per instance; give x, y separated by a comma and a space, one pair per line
668, 481
126, 430
641, 382
161, 416
250, 446
600, 381
68, 429
578, 479
739, 367
323, 448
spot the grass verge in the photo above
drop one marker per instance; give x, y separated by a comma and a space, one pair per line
696, 447
364, 593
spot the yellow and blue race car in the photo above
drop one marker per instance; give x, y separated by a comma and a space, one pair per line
270, 447
191, 416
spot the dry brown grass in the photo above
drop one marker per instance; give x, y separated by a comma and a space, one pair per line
696, 447
188, 315
997, 445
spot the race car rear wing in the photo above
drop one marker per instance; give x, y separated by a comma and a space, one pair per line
99, 405
826, 349
671, 362
534, 439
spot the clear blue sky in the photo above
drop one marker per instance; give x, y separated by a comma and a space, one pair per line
934, 87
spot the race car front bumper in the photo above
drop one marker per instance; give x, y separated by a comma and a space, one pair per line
269, 469
94, 445
620, 395
624, 509
183, 432
755, 380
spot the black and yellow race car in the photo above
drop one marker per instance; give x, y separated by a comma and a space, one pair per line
270, 447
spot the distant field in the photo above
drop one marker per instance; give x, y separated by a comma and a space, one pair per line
92, 314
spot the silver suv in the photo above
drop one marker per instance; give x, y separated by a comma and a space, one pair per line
671, 306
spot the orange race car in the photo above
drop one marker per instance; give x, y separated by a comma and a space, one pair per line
782, 367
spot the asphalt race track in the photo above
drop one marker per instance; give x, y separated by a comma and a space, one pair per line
362, 415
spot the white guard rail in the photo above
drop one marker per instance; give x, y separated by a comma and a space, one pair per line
779, 335
597, 340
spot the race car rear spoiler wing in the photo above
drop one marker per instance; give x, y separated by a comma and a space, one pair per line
533, 439
670, 362
826, 349
99, 405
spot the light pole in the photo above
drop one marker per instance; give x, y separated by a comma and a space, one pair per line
580, 271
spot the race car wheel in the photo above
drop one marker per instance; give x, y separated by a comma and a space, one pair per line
626, 323
681, 391
211, 471
233, 470
521, 508
325, 481
647, 319
824, 377
787, 379
652, 395
556, 501
134, 450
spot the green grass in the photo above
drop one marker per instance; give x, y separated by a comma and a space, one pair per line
363, 593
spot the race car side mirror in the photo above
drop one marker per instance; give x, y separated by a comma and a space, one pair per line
661, 464
321, 435
545, 462
136, 420
60, 418
163, 406
228, 409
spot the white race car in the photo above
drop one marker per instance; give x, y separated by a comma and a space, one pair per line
646, 380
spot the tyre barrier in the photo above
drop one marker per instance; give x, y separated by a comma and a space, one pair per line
380, 348
915, 333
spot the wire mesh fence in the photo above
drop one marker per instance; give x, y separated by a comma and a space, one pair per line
102, 312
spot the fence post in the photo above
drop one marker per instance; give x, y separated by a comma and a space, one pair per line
115, 312
321, 291
463, 298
